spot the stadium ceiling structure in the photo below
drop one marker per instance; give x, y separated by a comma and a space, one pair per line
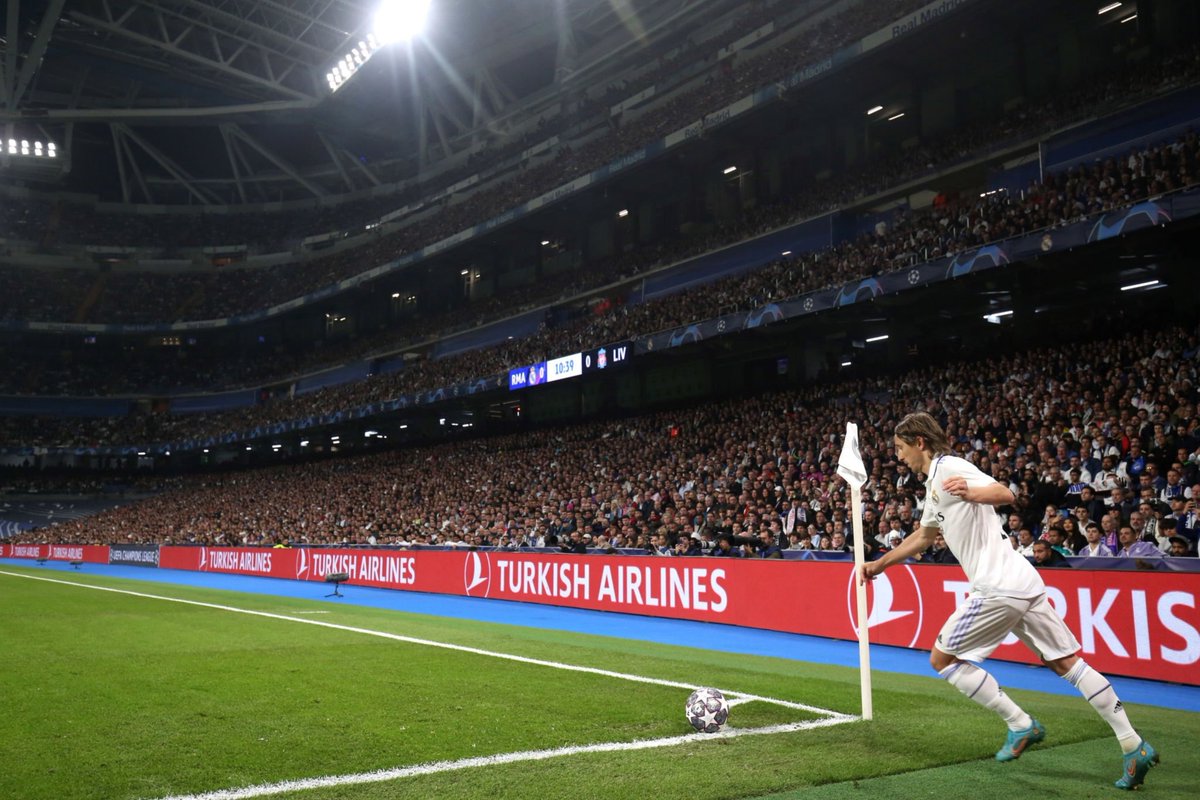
217, 102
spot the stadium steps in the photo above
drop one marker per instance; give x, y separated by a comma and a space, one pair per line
89, 300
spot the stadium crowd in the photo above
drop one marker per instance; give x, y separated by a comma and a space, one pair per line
943, 229
140, 297
1099, 441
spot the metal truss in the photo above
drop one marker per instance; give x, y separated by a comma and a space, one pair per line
108, 77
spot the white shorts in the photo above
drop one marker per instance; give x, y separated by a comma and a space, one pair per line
980, 624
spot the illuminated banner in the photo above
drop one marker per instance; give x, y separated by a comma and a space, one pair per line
612, 355
558, 369
1140, 623
91, 553
138, 555
24, 550
524, 377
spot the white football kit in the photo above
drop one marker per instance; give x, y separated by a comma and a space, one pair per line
1006, 592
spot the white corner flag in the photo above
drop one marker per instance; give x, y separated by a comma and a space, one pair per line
850, 464
852, 470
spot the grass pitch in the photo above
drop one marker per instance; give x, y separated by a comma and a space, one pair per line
121, 696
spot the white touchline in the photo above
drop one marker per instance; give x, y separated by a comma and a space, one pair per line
830, 717
263, 789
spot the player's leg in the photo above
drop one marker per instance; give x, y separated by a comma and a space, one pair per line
970, 635
1046, 634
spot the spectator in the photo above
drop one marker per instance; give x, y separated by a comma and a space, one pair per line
1045, 556
1095, 545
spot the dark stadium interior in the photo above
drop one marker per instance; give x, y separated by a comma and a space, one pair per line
231, 284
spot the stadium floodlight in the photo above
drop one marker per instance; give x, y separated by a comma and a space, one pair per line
847, 363
545, 242
465, 272
1108, 8
728, 170
895, 117
395, 295
1142, 285
31, 148
877, 338
874, 110
624, 212
400, 20
394, 21
786, 253
1130, 18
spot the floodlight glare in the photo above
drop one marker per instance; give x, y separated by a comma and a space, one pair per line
399, 20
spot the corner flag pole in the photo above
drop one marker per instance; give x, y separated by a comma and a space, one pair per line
854, 472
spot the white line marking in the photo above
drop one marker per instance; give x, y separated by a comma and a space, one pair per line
310, 612
328, 781
260, 790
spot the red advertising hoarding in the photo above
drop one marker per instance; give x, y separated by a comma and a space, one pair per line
1140, 623
94, 554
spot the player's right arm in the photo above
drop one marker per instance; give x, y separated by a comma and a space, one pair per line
918, 541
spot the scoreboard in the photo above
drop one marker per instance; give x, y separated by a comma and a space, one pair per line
572, 366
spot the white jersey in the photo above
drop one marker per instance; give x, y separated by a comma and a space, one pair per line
974, 534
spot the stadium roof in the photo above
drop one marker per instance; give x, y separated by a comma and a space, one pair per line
210, 102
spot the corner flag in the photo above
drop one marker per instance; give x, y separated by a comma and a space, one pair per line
852, 470
850, 464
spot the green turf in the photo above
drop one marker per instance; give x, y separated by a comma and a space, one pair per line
115, 696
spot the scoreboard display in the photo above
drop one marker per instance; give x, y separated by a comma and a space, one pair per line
559, 369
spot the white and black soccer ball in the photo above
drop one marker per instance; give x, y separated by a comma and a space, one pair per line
707, 710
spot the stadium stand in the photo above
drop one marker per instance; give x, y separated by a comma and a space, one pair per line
140, 298
733, 467
905, 240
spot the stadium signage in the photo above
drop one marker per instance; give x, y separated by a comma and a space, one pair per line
683, 584
252, 561
66, 552
558, 369
139, 555
1138, 622
56, 552
524, 377
613, 355
906, 25
389, 569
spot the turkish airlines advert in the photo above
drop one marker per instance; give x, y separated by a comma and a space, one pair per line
1140, 623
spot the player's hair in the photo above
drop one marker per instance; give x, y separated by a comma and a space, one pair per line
921, 424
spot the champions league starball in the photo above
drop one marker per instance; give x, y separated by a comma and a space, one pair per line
707, 710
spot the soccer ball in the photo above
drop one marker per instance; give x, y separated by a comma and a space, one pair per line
707, 710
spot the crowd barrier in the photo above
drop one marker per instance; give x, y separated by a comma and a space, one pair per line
1141, 623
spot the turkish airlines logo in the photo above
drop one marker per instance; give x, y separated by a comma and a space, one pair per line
893, 605
203, 558
302, 563
477, 575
